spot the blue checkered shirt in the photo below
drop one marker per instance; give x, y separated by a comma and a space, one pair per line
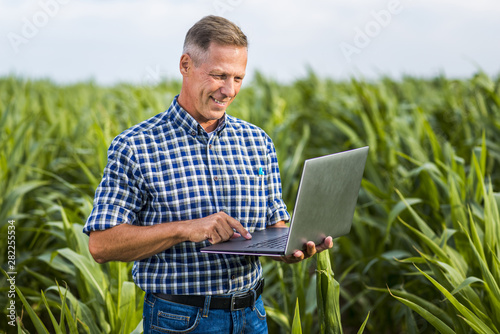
167, 169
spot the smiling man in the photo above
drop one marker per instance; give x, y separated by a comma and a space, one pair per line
187, 178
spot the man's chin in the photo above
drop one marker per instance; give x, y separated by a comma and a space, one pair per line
218, 111
217, 116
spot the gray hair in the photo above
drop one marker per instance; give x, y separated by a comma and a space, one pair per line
211, 29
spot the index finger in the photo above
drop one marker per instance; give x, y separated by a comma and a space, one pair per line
236, 225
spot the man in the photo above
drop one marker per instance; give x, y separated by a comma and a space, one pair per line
184, 179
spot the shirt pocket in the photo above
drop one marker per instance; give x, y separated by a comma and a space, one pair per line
248, 197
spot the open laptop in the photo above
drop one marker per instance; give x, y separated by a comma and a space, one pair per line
324, 206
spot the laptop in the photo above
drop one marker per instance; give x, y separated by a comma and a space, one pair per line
324, 206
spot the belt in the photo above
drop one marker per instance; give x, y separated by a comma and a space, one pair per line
231, 302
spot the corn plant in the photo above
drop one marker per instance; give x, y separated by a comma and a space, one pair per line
470, 287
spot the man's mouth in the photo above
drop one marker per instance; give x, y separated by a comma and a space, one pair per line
222, 103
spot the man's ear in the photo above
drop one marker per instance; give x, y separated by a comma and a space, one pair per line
186, 64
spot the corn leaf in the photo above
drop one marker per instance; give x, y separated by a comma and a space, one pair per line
467, 314
363, 325
422, 225
37, 322
55, 324
432, 319
296, 326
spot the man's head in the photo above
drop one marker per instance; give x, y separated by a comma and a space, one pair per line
213, 65
212, 29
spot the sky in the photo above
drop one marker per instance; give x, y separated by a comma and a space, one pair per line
111, 41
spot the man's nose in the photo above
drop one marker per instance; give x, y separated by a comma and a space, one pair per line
228, 89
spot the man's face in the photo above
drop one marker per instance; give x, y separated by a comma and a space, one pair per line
208, 89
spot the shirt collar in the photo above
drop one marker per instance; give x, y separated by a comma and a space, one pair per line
180, 117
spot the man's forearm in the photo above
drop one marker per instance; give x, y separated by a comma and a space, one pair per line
281, 223
130, 243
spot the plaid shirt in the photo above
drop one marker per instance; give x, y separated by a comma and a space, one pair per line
169, 169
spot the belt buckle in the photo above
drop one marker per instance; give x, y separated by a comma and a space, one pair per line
233, 300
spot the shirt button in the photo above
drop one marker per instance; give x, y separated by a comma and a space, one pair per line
233, 277
216, 178
210, 146
193, 133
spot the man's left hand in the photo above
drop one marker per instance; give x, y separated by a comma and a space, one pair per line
310, 250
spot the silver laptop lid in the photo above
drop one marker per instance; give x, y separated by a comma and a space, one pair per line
326, 197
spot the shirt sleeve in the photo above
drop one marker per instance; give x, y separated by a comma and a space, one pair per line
118, 198
276, 206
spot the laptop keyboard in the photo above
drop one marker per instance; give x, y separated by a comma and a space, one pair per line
275, 243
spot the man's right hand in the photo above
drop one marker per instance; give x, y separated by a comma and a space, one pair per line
216, 228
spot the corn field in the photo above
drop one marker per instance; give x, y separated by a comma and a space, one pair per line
423, 255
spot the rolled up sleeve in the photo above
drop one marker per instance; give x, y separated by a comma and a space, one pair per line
118, 197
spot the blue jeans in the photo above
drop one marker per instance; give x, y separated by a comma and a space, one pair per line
161, 316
